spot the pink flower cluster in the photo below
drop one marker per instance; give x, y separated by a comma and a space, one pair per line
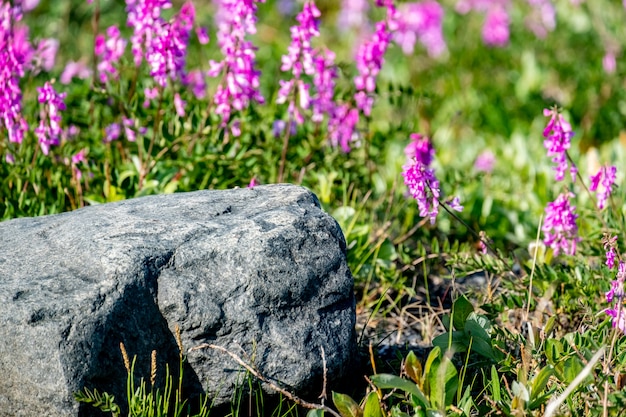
602, 182
167, 54
559, 228
15, 54
49, 130
495, 31
420, 21
109, 50
302, 59
163, 44
240, 80
420, 179
558, 134
542, 18
370, 59
144, 16
615, 295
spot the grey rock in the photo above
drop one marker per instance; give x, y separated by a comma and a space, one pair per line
261, 272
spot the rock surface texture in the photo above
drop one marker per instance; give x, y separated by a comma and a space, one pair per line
261, 272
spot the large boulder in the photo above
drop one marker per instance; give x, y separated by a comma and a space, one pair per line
261, 272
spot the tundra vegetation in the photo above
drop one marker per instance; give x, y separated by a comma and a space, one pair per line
469, 149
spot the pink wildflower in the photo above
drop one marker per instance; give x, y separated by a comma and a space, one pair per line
616, 293
196, 81
353, 14
179, 105
420, 178
496, 27
560, 229
485, 162
73, 69
300, 60
112, 132
342, 127
420, 21
610, 245
49, 130
144, 16
420, 148
109, 50
558, 133
240, 80
15, 56
424, 187
45, 54
603, 182
166, 52
542, 19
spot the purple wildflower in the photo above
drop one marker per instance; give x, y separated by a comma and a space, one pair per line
79, 157
424, 187
496, 27
240, 80
603, 182
203, 35
73, 69
455, 204
420, 148
130, 129
166, 53
300, 60
112, 132
15, 55
421, 180
49, 130
482, 243
324, 77
560, 229
353, 14
45, 54
150, 94
616, 292
423, 22
109, 50
179, 105
542, 19
144, 16
196, 81
342, 126
610, 245
253, 183
485, 162
609, 63
558, 133
370, 59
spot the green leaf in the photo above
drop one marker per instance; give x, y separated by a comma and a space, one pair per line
459, 342
413, 368
316, 412
495, 384
388, 381
540, 381
443, 382
372, 406
432, 357
460, 310
346, 406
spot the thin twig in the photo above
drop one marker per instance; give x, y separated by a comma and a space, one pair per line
262, 378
